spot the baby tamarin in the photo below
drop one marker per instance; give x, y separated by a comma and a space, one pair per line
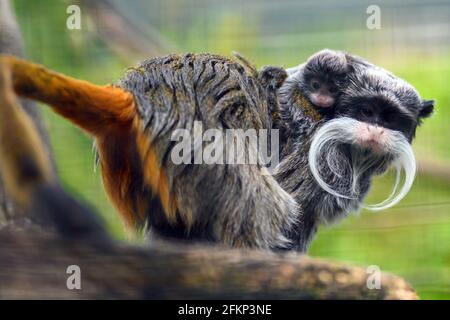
321, 79
322, 174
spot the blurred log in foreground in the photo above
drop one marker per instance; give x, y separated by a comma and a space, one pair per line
33, 265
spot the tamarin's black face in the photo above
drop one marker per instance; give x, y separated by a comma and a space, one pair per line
375, 98
323, 78
372, 127
321, 89
379, 113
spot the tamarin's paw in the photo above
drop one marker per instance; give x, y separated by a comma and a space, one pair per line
272, 76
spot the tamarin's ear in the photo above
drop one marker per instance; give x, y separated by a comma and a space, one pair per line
426, 109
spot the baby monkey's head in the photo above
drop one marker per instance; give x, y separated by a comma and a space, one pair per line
322, 78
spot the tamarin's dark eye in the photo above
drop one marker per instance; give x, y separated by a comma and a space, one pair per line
315, 84
389, 116
333, 89
367, 111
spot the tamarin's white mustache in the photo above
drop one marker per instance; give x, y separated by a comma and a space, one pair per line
346, 171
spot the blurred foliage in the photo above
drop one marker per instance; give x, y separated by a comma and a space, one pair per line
413, 238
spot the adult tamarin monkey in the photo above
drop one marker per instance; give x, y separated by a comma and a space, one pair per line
326, 164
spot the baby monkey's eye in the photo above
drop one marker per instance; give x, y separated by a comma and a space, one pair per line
333, 89
315, 84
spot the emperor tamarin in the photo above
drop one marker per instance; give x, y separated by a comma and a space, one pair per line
326, 163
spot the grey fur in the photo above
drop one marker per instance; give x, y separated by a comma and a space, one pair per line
240, 205
294, 174
237, 205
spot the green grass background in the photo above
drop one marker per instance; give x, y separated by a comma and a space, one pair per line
411, 239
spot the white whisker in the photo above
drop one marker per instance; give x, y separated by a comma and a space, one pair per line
347, 171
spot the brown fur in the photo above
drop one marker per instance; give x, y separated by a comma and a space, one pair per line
154, 175
108, 113
23, 161
96, 109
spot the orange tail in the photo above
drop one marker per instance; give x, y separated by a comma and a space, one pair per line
96, 109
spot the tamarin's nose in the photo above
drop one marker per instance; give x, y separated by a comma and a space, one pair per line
321, 100
375, 130
371, 136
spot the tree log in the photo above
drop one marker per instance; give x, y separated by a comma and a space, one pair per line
33, 265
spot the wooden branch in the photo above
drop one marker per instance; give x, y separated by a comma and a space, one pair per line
435, 168
128, 38
33, 265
